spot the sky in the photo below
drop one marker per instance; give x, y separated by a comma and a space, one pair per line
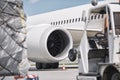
33, 7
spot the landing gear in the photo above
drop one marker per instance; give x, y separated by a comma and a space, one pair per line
38, 65
54, 65
47, 65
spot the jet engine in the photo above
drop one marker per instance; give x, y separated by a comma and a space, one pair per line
48, 44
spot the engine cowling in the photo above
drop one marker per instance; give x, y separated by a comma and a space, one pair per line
48, 43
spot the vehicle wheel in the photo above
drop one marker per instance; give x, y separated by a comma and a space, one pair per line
115, 76
46, 66
111, 73
55, 65
39, 65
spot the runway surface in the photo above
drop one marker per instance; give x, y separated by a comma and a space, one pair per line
52, 74
56, 74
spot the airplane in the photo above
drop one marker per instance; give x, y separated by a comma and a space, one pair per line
51, 36
65, 26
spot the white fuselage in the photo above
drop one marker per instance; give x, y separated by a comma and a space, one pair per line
72, 19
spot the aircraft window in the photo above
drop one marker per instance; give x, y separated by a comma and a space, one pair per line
64, 21
99, 16
78, 19
91, 17
82, 19
61, 22
51, 23
102, 15
56, 23
67, 21
73, 20
95, 17
70, 21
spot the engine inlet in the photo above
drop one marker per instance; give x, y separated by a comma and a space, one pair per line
57, 42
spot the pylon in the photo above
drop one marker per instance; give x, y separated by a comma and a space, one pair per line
63, 67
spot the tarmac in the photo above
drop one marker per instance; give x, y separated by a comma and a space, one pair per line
56, 74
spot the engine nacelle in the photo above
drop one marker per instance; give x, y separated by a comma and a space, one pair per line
48, 43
